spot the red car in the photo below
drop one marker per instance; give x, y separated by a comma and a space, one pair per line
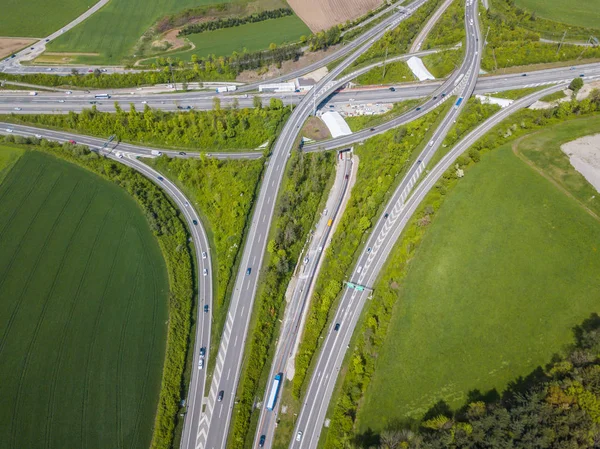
72, 142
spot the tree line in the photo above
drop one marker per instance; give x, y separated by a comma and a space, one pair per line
231, 22
303, 190
168, 226
223, 129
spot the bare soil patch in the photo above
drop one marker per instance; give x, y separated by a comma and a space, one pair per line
323, 14
170, 40
252, 76
584, 155
315, 129
10, 45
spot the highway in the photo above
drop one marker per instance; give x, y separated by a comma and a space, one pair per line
96, 142
214, 424
204, 276
418, 41
61, 103
318, 395
295, 309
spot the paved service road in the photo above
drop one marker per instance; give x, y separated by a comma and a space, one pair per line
296, 307
312, 415
214, 424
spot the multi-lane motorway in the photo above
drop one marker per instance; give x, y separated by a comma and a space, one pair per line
312, 415
214, 423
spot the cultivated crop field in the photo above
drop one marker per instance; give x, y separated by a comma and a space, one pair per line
508, 267
113, 31
83, 293
324, 14
583, 13
32, 18
252, 37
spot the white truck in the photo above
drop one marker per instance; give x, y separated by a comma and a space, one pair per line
33, 93
226, 89
156, 153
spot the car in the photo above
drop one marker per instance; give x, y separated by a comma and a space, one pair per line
31, 48
202, 351
248, 271
12, 56
90, 71
572, 68
61, 101
144, 102
524, 74
347, 175
221, 394
186, 204
299, 435
72, 142
119, 155
38, 136
204, 254
306, 259
369, 249
195, 222
205, 272
372, 129
160, 178
435, 97
443, 95
49, 69
68, 92
582, 75
419, 161
392, 89
200, 364
261, 442
337, 327
9, 130
17, 108
386, 215
182, 153
103, 70
418, 109
93, 102
47, 40
205, 308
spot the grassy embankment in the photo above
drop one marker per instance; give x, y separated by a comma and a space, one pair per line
578, 14
83, 308
29, 18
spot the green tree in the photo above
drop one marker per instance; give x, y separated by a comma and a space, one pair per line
576, 84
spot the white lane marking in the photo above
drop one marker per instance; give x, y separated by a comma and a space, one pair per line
228, 373
235, 341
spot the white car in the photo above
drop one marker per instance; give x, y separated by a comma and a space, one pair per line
204, 254
119, 155
61, 101
38, 136
205, 272
187, 204
299, 435
9, 130
68, 92
17, 109
144, 102
306, 260
201, 364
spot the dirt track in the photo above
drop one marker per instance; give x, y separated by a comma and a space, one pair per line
323, 14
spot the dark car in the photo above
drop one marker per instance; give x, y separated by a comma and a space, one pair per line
435, 97
337, 327
248, 271
372, 129
524, 74
261, 442
202, 351
443, 95
582, 75
205, 308
182, 153
221, 394
392, 89
347, 176
386, 215
418, 109
160, 178
195, 222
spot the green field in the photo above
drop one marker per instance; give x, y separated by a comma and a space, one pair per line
509, 265
582, 13
114, 30
252, 37
32, 18
83, 291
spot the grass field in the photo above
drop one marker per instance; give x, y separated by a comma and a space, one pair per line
82, 310
113, 31
8, 157
252, 37
506, 270
582, 13
32, 18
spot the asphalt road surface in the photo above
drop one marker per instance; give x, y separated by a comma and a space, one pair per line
312, 415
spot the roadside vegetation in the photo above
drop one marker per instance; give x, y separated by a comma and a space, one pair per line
391, 307
515, 94
449, 30
217, 129
90, 298
394, 72
514, 38
360, 122
231, 22
383, 159
443, 63
223, 193
304, 188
